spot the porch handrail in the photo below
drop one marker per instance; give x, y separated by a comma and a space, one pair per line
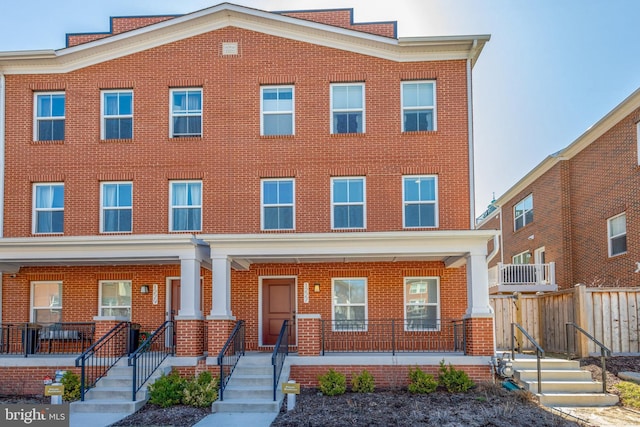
150, 355
539, 350
61, 337
521, 274
604, 350
234, 346
280, 352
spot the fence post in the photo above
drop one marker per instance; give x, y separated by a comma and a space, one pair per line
580, 319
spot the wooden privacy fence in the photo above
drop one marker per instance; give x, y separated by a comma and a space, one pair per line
611, 315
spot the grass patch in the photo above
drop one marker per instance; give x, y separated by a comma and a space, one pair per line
629, 393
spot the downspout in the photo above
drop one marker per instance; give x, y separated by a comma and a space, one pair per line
472, 184
496, 247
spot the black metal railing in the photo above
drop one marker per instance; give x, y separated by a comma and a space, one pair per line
393, 336
150, 354
231, 352
53, 338
280, 352
539, 350
604, 350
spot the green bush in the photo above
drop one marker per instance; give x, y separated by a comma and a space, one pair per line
71, 383
454, 380
629, 394
363, 383
168, 390
421, 383
332, 383
201, 391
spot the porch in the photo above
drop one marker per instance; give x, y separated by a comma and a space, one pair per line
35, 339
523, 278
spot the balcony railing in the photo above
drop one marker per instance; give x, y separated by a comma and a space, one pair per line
29, 339
537, 277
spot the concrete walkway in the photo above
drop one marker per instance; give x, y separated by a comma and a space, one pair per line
258, 419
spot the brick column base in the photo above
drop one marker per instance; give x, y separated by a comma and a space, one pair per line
309, 335
119, 346
218, 331
189, 337
479, 336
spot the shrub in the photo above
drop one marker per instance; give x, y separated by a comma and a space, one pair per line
421, 383
363, 383
201, 391
454, 380
332, 383
71, 383
629, 393
168, 390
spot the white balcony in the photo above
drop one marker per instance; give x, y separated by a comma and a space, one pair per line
525, 278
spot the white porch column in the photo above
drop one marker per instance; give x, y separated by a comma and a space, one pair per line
478, 287
221, 287
190, 289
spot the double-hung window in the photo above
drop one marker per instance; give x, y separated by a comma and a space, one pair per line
523, 212
277, 110
117, 114
186, 206
278, 204
46, 302
48, 203
117, 207
348, 202
617, 234
186, 113
422, 303
49, 120
420, 196
347, 108
115, 298
418, 106
349, 297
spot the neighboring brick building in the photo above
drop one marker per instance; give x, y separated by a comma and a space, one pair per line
234, 164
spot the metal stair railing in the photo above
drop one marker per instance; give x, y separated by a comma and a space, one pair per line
539, 350
230, 354
280, 352
604, 351
150, 355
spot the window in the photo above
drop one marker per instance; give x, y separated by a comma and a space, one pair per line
277, 204
421, 302
347, 108
117, 114
49, 123
186, 112
523, 212
418, 106
522, 258
617, 234
349, 298
348, 198
115, 299
46, 302
277, 110
420, 194
48, 208
116, 207
186, 206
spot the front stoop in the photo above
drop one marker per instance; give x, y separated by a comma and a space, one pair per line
113, 392
563, 383
250, 388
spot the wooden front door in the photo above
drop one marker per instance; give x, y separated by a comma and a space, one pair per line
175, 298
278, 305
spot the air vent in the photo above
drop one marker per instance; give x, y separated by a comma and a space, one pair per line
229, 48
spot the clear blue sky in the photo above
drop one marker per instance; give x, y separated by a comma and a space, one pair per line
551, 70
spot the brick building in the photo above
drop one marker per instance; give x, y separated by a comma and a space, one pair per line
234, 164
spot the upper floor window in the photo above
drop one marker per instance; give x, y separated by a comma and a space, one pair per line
46, 302
117, 207
418, 106
522, 258
49, 122
347, 108
348, 202
349, 300
277, 110
421, 302
617, 234
523, 212
48, 203
278, 204
186, 206
115, 299
117, 114
420, 196
186, 112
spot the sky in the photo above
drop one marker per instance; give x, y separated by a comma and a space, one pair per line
552, 69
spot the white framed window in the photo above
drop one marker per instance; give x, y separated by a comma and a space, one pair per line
49, 115
116, 110
278, 204
638, 141
349, 304
277, 108
523, 212
185, 212
522, 258
116, 207
115, 298
617, 232
46, 302
48, 208
420, 198
348, 202
422, 303
186, 113
347, 108
418, 106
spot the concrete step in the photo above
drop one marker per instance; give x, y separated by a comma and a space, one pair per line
114, 393
253, 370
245, 405
552, 375
99, 405
557, 364
564, 386
114, 381
577, 399
238, 379
239, 392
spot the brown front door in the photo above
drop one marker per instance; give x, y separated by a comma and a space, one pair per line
175, 298
278, 305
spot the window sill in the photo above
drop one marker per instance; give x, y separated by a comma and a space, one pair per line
418, 132
347, 135
185, 138
53, 142
277, 136
111, 318
348, 229
47, 234
115, 233
280, 230
117, 141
